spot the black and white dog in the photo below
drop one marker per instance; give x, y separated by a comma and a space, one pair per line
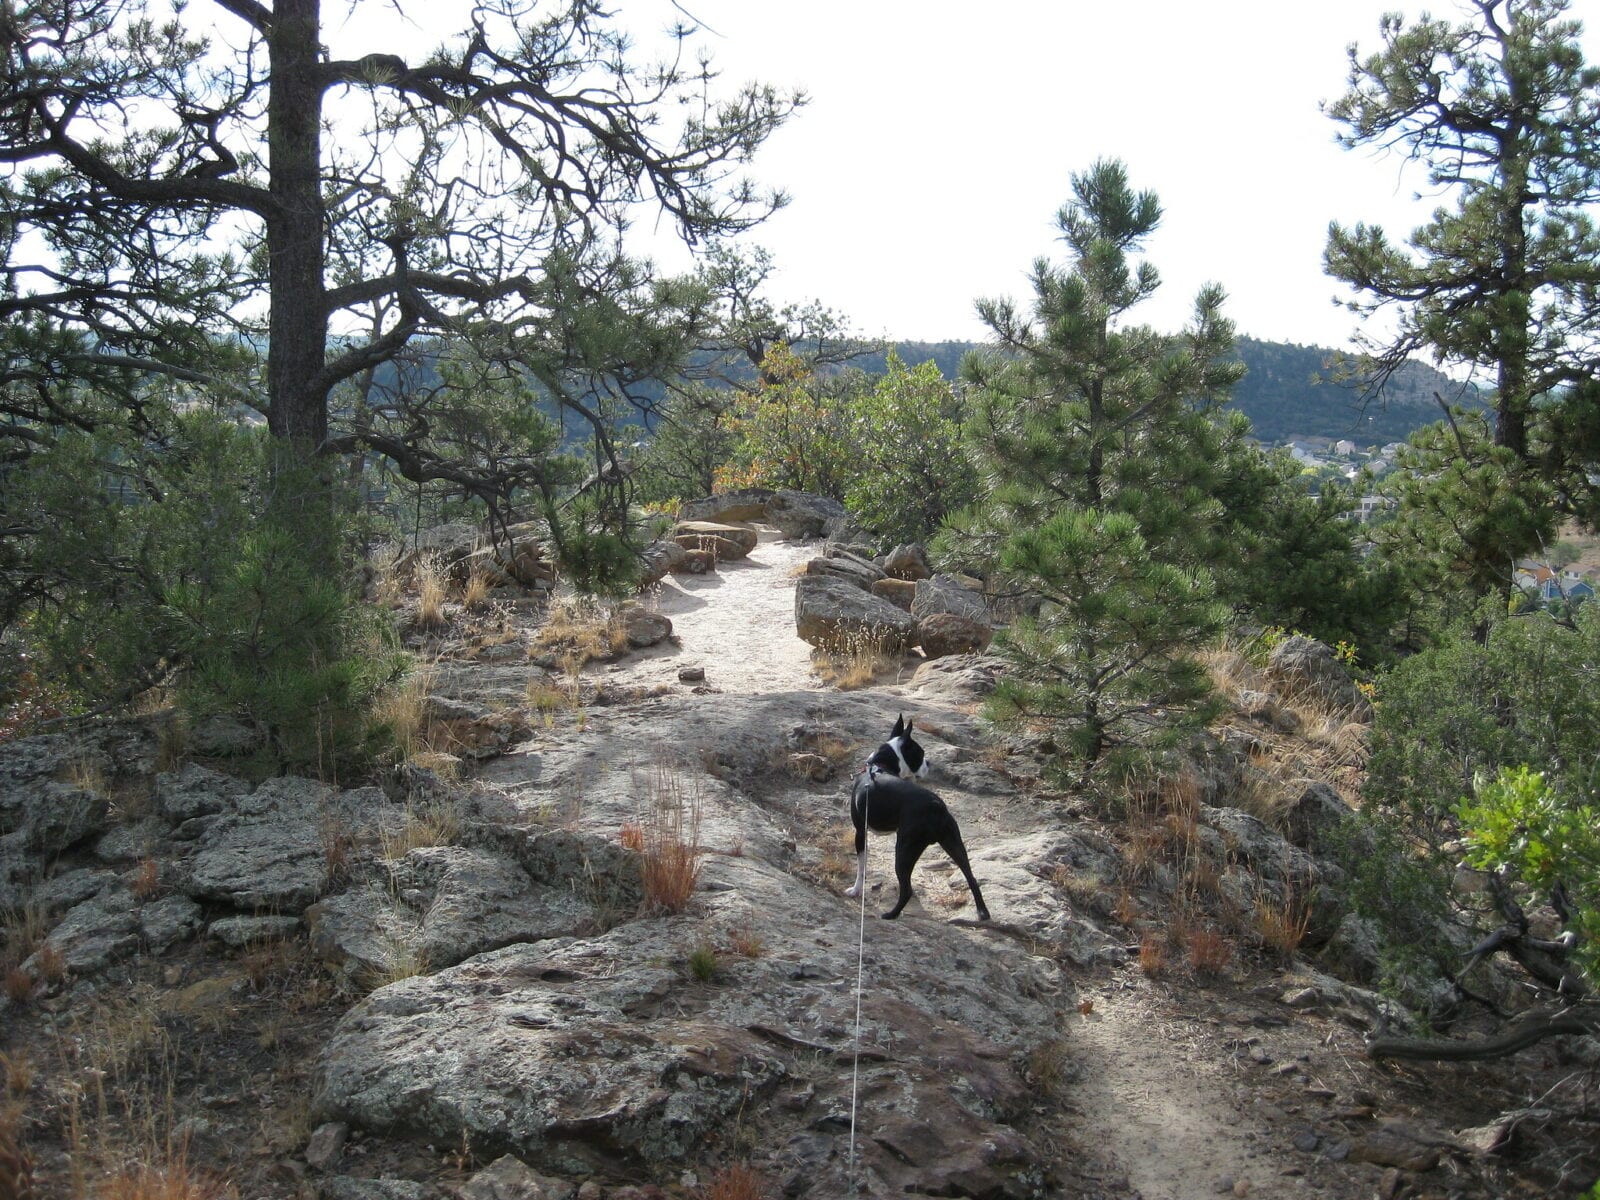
886, 800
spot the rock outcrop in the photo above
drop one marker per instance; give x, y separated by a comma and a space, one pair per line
837, 615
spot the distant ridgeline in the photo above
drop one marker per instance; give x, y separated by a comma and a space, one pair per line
1288, 392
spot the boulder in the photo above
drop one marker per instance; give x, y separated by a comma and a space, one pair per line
800, 516
467, 729
442, 904
695, 562
721, 549
960, 678
240, 932
796, 515
848, 568
908, 562
271, 854
898, 592
659, 557
509, 1178
194, 791
943, 634
1310, 668
741, 535
1313, 818
643, 627
837, 616
946, 594
94, 934
743, 504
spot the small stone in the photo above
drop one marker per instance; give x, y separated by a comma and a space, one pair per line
1300, 997
1224, 1185
1241, 1187
691, 674
326, 1144
1337, 1152
1306, 1141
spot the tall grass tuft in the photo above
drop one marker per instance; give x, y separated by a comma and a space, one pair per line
671, 833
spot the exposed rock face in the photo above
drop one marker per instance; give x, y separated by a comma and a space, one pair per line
898, 592
659, 557
960, 677
909, 562
797, 515
837, 615
1314, 818
726, 543
1308, 666
575, 1055
946, 594
271, 854
846, 567
442, 904
944, 634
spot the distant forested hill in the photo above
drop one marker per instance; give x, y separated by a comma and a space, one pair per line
1287, 392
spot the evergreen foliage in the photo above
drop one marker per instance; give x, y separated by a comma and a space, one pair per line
1505, 114
911, 466
1460, 729
1093, 499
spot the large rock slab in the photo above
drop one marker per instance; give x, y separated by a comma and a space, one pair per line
1311, 670
946, 594
943, 634
606, 1056
796, 515
835, 615
438, 906
846, 567
271, 854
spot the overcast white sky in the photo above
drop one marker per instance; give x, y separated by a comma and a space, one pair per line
940, 138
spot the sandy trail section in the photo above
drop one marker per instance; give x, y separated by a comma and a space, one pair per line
736, 622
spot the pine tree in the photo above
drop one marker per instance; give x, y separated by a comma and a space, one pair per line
1505, 114
1086, 428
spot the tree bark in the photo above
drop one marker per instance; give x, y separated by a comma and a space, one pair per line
298, 409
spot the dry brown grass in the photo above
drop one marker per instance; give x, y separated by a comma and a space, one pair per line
1049, 1066
1210, 952
403, 709
736, 1182
671, 830
146, 881
432, 591
16, 1164
631, 836
18, 985
426, 823
475, 592
579, 631
50, 963
746, 942
1152, 955
172, 1180
22, 931
1281, 921
848, 670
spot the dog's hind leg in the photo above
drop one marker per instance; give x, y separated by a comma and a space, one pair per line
861, 851
906, 852
957, 850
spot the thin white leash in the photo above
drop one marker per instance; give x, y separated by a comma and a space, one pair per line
861, 958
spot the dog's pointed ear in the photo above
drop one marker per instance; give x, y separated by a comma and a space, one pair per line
908, 728
899, 726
